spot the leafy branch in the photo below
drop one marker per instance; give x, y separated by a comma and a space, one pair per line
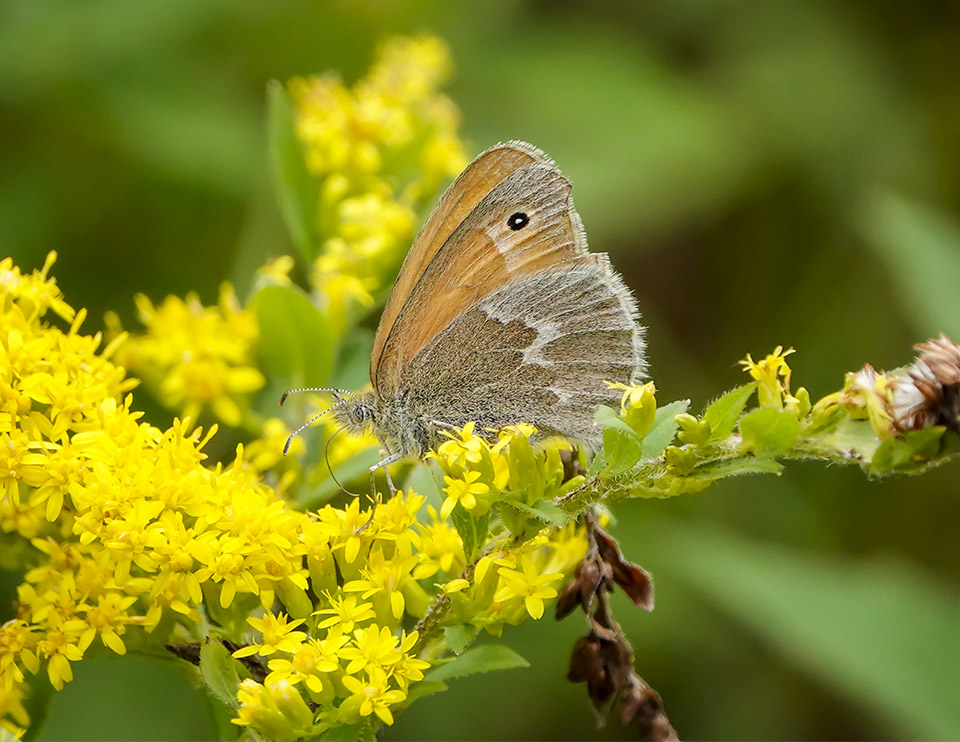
903, 422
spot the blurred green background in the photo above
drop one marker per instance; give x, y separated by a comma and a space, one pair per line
762, 172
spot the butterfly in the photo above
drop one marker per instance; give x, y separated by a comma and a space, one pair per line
499, 315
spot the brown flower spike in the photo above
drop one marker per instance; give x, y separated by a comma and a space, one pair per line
603, 658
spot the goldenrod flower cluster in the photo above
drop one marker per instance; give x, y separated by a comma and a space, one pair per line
195, 358
353, 653
380, 149
122, 528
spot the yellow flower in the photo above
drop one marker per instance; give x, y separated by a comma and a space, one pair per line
345, 613
60, 647
311, 662
267, 451
108, 619
373, 648
373, 696
867, 393
462, 449
276, 709
768, 374
526, 583
276, 271
441, 548
278, 635
196, 357
380, 150
408, 669
386, 577
462, 492
638, 405
35, 293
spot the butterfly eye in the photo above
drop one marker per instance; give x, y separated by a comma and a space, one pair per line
518, 221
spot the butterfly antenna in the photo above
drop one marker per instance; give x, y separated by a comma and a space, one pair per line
307, 424
326, 456
339, 392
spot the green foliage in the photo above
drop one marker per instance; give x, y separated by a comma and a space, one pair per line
910, 452
472, 529
486, 658
460, 637
295, 342
622, 447
731, 146
664, 428
296, 190
723, 414
922, 248
219, 671
859, 626
769, 431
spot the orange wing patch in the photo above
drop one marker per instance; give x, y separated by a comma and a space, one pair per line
479, 178
483, 254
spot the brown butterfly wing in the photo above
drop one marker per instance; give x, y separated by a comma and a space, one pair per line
479, 178
551, 341
483, 254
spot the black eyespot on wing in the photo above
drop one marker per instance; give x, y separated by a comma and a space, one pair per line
518, 221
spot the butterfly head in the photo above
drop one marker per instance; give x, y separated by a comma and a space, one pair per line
357, 414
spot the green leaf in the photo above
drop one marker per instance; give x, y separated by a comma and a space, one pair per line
908, 452
352, 367
735, 467
219, 671
295, 342
345, 733
664, 428
722, 414
550, 513
622, 447
922, 249
848, 434
472, 530
296, 190
861, 626
460, 637
487, 658
607, 417
769, 431
423, 481
516, 517
543, 511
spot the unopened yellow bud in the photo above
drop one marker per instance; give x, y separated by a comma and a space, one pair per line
638, 406
694, 431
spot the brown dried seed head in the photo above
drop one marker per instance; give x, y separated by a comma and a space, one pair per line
641, 705
942, 357
634, 580
927, 395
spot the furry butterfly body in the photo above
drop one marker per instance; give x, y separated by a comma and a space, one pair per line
499, 315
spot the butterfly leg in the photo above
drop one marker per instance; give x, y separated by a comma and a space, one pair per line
374, 495
390, 484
